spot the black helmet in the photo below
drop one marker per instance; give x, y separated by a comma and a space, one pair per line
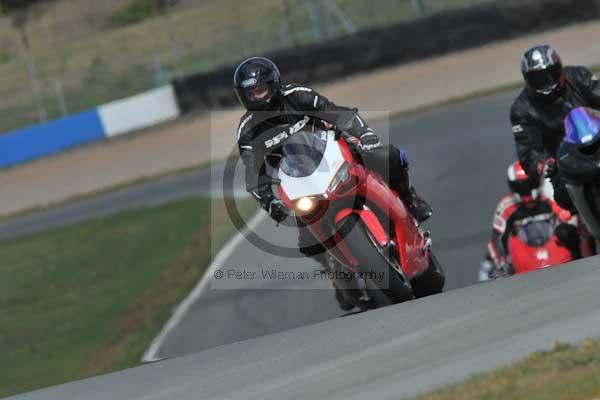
257, 82
543, 71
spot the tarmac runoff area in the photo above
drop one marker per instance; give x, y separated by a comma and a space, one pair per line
390, 353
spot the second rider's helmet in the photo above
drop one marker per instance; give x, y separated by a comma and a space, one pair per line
257, 82
543, 71
521, 184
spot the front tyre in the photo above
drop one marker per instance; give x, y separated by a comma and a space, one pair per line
432, 280
384, 284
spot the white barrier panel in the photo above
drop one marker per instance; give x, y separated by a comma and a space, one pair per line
139, 111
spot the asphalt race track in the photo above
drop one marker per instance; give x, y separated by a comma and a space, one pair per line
459, 157
390, 353
158, 191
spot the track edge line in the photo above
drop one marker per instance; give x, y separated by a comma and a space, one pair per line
151, 353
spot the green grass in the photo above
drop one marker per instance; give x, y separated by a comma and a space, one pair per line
88, 298
134, 12
566, 372
77, 42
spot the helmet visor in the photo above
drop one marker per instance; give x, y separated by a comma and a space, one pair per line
546, 80
259, 92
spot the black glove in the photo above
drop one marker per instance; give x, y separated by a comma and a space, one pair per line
277, 211
551, 168
547, 168
368, 142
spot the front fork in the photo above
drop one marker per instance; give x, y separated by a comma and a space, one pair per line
577, 194
363, 300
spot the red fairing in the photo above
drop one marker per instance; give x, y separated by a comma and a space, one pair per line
410, 243
284, 198
346, 152
369, 218
379, 198
526, 258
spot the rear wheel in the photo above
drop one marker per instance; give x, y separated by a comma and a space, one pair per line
432, 280
383, 283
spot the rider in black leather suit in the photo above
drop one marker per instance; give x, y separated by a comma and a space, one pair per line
272, 106
537, 115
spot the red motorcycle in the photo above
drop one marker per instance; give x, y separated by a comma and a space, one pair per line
364, 225
533, 245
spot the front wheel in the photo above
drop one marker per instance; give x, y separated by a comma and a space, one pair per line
384, 284
592, 198
432, 280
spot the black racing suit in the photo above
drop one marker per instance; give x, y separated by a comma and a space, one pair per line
295, 102
538, 124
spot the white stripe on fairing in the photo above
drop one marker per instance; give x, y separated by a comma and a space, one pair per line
139, 111
296, 89
151, 353
315, 102
246, 147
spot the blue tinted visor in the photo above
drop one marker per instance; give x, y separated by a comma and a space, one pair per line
582, 126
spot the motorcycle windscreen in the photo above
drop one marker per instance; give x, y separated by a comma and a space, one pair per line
536, 233
582, 126
310, 161
302, 153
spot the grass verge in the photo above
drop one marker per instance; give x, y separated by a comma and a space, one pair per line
88, 298
101, 51
566, 372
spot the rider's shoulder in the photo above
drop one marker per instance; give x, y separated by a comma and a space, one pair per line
506, 204
520, 105
295, 88
521, 99
576, 72
243, 125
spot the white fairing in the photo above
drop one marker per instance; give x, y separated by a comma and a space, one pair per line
317, 183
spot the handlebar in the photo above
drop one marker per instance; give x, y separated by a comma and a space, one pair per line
271, 182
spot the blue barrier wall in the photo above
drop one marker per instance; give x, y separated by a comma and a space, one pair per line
49, 138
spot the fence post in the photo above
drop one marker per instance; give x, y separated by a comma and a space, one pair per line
289, 28
418, 8
315, 17
348, 25
36, 87
165, 16
60, 97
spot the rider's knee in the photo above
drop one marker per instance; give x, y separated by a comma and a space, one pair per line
561, 196
567, 235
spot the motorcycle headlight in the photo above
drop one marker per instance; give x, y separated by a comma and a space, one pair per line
339, 178
305, 205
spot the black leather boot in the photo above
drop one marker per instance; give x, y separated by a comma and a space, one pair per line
416, 205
